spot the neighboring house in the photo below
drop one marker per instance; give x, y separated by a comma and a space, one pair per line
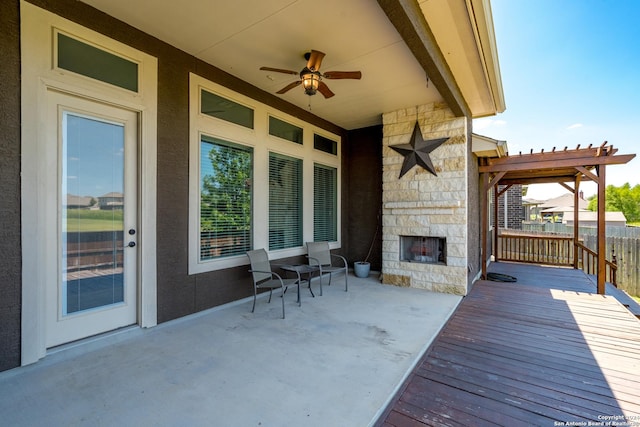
169, 98
531, 209
552, 210
78, 202
510, 212
590, 219
111, 201
560, 210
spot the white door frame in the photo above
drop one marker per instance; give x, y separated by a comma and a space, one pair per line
39, 75
66, 327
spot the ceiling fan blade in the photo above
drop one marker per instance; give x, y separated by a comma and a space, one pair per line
315, 59
324, 89
342, 75
289, 86
278, 70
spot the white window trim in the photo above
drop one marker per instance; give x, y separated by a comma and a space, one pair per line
262, 143
39, 75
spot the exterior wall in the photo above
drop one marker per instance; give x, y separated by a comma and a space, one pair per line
364, 170
514, 211
10, 237
474, 192
420, 204
178, 293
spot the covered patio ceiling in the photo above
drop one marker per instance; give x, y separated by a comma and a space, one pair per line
409, 52
563, 166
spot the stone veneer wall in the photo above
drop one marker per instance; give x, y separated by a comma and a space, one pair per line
421, 204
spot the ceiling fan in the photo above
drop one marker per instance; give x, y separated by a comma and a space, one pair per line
311, 77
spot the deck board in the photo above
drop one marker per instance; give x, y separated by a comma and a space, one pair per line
534, 352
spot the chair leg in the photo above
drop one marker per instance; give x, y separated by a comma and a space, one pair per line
270, 293
254, 300
283, 289
346, 285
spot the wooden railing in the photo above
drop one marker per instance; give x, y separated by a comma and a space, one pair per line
551, 250
588, 262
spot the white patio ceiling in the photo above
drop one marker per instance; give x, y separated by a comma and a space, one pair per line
240, 36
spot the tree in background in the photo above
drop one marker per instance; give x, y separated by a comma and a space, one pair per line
624, 199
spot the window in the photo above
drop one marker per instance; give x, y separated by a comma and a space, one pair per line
325, 203
285, 202
325, 144
81, 58
285, 130
222, 108
225, 198
250, 187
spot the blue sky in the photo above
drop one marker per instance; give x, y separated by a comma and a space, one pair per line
571, 75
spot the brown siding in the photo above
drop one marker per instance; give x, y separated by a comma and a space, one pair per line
473, 212
364, 205
10, 244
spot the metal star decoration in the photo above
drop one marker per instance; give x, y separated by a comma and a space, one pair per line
417, 151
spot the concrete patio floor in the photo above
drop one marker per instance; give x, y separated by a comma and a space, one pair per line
335, 361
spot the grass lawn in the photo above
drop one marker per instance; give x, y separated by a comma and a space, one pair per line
93, 225
93, 220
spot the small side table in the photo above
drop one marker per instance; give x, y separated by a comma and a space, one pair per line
303, 269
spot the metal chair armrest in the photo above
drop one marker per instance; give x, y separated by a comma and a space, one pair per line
344, 260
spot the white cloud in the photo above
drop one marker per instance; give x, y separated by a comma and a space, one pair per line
575, 126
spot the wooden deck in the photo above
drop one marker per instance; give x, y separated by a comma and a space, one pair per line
536, 352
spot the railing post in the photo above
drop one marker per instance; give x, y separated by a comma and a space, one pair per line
614, 261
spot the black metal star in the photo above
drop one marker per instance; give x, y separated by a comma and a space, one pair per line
417, 151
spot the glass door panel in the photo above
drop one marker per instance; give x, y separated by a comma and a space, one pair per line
92, 213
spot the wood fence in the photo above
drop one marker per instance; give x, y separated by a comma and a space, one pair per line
627, 252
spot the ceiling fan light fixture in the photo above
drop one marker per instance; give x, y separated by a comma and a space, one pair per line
310, 81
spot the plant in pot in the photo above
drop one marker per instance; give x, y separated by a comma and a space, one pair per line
362, 268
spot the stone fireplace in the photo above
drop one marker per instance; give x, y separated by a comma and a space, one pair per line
425, 216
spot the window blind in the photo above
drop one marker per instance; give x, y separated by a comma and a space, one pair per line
225, 198
325, 203
285, 201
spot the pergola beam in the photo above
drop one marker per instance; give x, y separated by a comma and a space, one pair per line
557, 164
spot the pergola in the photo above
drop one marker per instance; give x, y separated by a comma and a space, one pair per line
562, 167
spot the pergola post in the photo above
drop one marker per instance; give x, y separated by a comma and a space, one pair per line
602, 231
576, 219
484, 210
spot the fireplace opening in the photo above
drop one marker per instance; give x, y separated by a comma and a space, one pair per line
423, 249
